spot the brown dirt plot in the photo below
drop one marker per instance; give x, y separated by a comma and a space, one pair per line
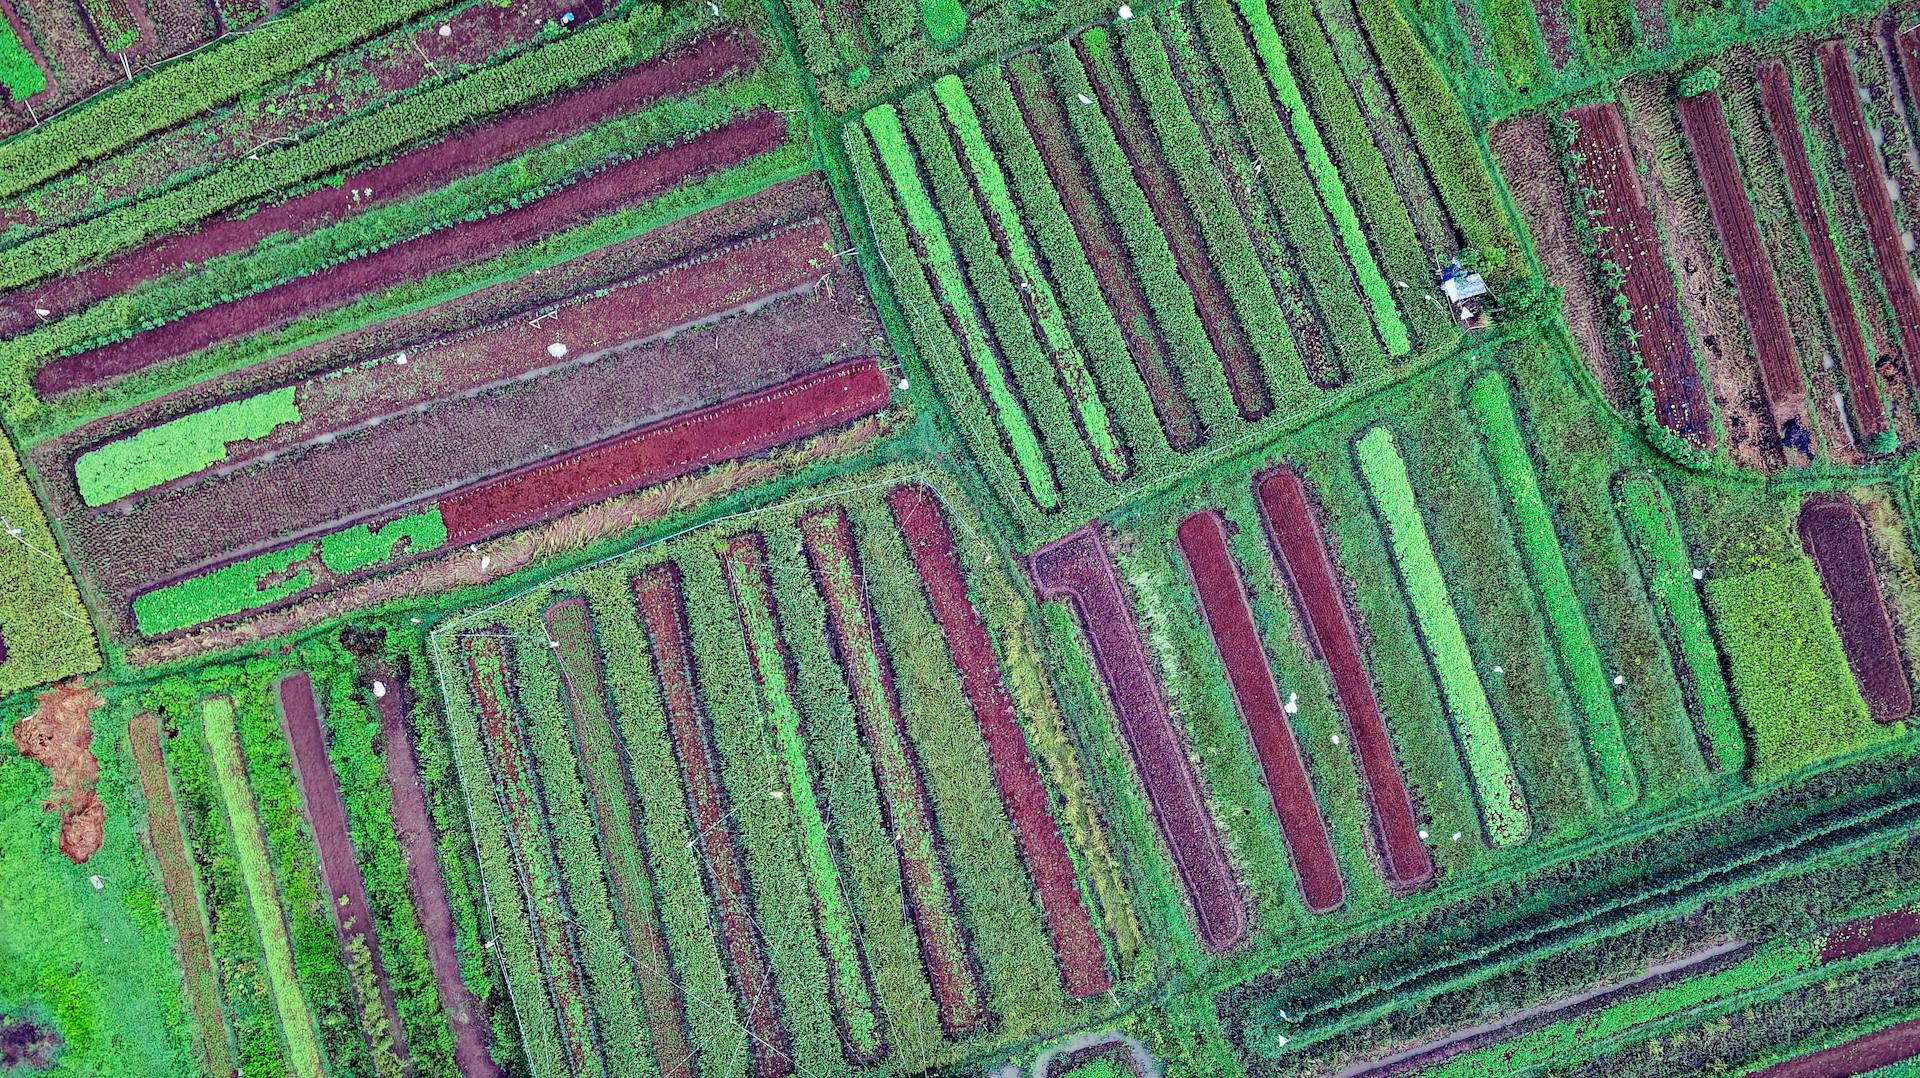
58, 736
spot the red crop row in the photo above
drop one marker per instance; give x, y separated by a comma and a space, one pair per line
1831, 532
1867, 176
659, 169
1705, 125
1047, 125
1079, 571
657, 592
1223, 603
1175, 218
1294, 533
517, 798
1858, 936
609, 789
922, 523
327, 819
727, 431
827, 537
1603, 165
182, 895
384, 66
413, 827
1863, 389
424, 168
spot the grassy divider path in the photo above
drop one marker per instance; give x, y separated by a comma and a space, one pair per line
1491, 406
538, 943
828, 539
749, 580
202, 984
1036, 293
922, 523
609, 792
1502, 803
1651, 527
1326, 178
659, 596
263, 898
983, 359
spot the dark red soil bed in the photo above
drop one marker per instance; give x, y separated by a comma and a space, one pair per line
1834, 538
1857, 937
1223, 604
1881, 1048
922, 522
1293, 530
1077, 570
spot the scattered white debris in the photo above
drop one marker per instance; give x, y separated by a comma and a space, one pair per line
401, 359
1499, 669
42, 311
1402, 284
489, 945
1456, 836
553, 643
445, 30
484, 562
1423, 832
903, 383
1126, 11
416, 621
1336, 739
714, 8
556, 349
1084, 99
14, 532
776, 795
1619, 679
379, 690
1280, 1041
97, 882
1292, 706
1699, 574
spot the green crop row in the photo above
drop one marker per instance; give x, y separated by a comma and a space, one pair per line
263, 897
20, 74
191, 86
1492, 408
218, 593
1069, 362
935, 332
1654, 531
179, 447
1316, 243
114, 23
353, 549
45, 634
1225, 232
523, 79
1326, 177
1502, 802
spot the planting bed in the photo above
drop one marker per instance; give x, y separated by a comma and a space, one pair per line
625, 184
1223, 602
1319, 594
1629, 241
1831, 531
417, 171
1078, 570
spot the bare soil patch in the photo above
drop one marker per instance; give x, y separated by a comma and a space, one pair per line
58, 735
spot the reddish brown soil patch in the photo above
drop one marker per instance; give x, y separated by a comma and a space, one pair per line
1551, 15
1868, 180
184, 911
1293, 530
922, 522
1880, 1048
327, 820
413, 827
1229, 617
27, 1045
1523, 147
1078, 570
1857, 937
58, 736
1834, 538
1117, 1055
1706, 129
1776, 96
1135, 135
1098, 236
658, 594
1603, 164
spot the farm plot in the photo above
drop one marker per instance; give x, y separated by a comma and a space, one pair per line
1831, 531
636, 387
826, 818
44, 631
1045, 221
